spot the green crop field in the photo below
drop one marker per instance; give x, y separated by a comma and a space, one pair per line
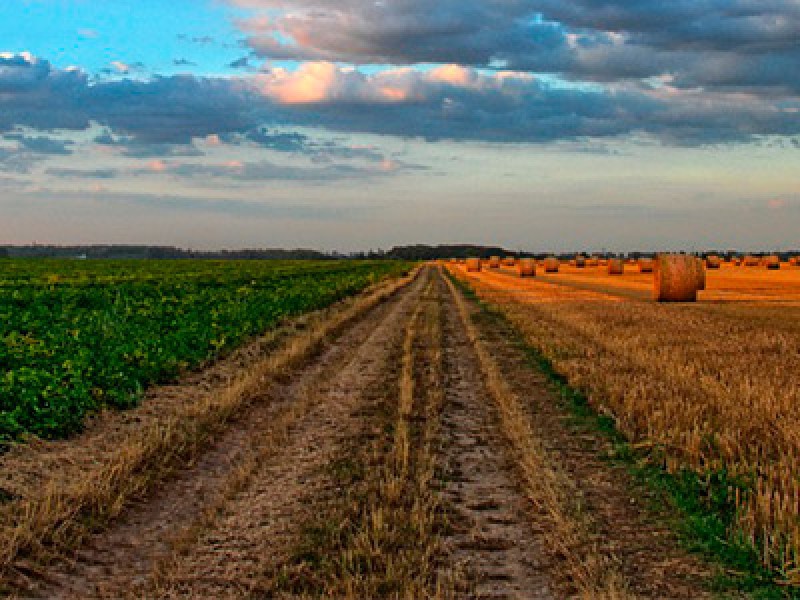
79, 335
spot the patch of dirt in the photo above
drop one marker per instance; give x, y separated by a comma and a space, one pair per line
121, 560
492, 537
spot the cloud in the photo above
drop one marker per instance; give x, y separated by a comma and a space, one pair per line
732, 44
41, 144
240, 63
163, 116
458, 103
83, 173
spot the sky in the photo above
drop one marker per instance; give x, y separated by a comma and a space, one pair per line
540, 125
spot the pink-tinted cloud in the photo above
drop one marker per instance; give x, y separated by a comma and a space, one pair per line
320, 82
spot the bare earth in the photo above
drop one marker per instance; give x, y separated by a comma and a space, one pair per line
228, 522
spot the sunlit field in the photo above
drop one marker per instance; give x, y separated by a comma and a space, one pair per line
708, 386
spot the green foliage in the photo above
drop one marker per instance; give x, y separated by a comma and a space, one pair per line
79, 335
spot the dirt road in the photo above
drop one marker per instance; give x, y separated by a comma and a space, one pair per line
408, 456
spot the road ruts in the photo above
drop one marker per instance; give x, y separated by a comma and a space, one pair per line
253, 476
493, 540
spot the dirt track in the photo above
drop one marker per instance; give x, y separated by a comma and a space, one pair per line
403, 390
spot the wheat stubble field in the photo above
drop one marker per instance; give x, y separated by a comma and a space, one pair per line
399, 439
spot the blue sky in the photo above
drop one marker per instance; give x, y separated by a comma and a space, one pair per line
151, 32
539, 124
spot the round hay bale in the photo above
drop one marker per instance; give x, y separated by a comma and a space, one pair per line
773, 262
616, 266
494, 262
713, 261
645, 265
509, 261
700, 273
580, 262
750, 261
527, 267
591, 262
794, 261
473, 265
675, 278
551, 265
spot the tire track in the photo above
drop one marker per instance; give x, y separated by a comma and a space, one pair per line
491, 539
257, 529
123, 560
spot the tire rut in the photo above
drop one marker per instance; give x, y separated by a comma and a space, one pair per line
648, 553
492, 538
303, 414
259, 527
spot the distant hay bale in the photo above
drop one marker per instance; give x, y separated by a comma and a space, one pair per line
527, 267
473, 265
773, 262
580, 262
750, 261
645, 265
675, 278
602, 262
494, 262
794, 261
509, 261
592, 262
616, 266
713, 261
551, 265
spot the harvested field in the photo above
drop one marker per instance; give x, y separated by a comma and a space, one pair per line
708, 387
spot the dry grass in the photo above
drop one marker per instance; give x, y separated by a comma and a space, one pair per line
388, 545
551, 492
707, 387
60, 514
